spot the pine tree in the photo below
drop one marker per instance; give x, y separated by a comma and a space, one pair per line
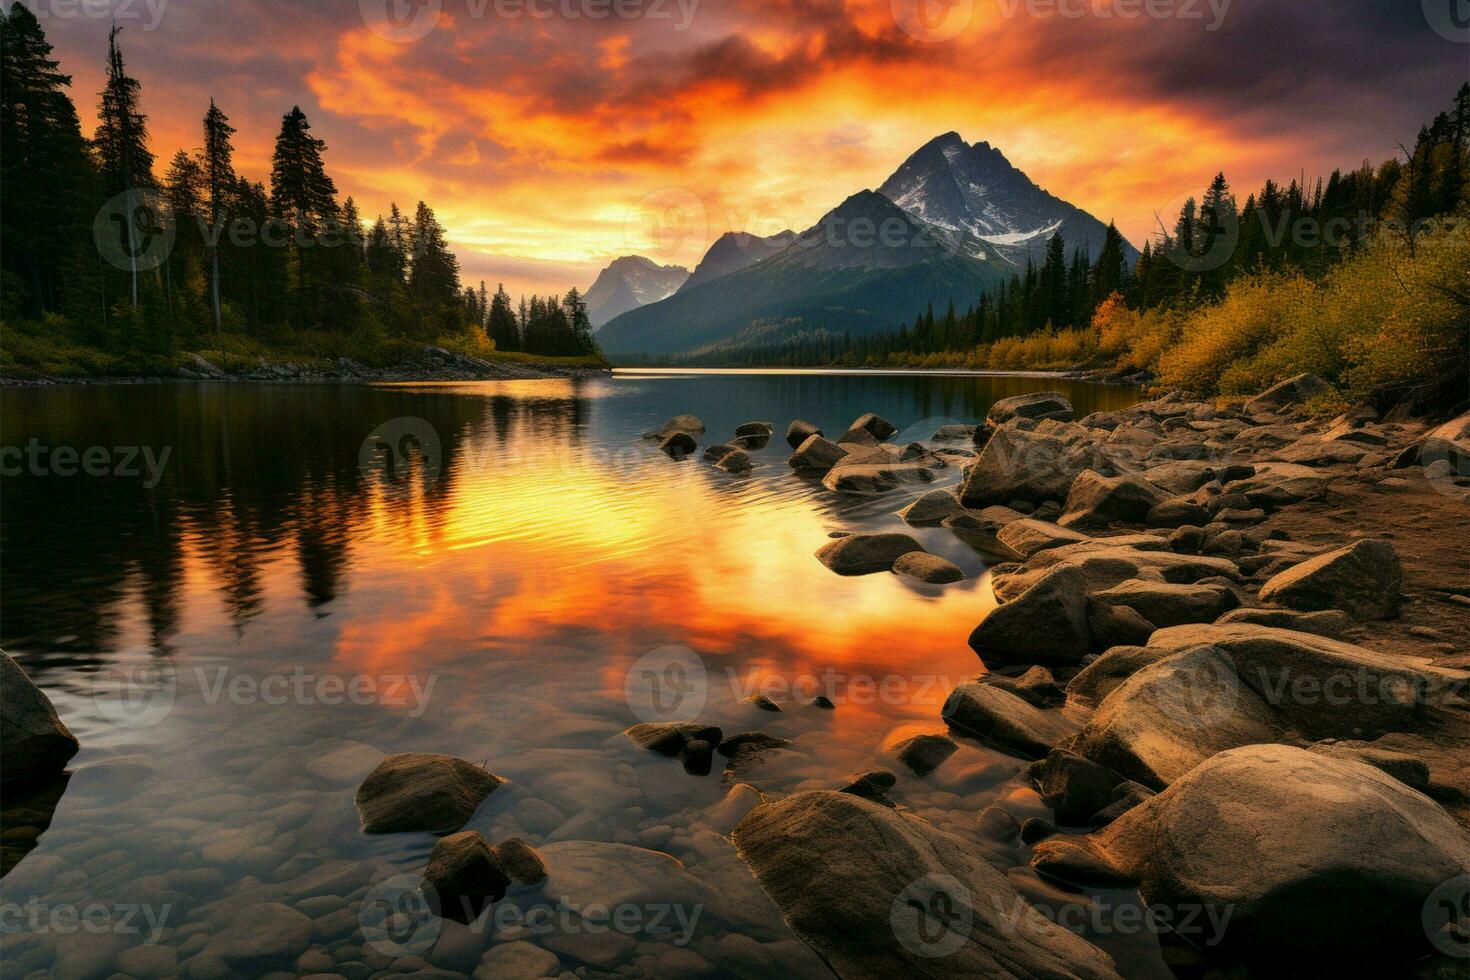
219, 183
304, 197
575, 309
433, 280
501, 323
125, 161
46, 180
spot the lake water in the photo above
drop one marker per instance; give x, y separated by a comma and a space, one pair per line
239, 610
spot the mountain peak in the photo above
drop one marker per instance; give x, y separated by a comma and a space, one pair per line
628, 282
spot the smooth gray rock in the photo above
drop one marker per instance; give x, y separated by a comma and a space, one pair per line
738, 461
874, 425
260, 938
422, 791
1364, 579
33, 741
861, 885
1324, 864
1046, 624
755, 429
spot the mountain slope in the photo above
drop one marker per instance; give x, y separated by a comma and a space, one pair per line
733, 251
973, 192
864, 267
628, 283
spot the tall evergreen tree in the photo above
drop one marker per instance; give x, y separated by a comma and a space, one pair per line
219, 183
122, 146
501, 323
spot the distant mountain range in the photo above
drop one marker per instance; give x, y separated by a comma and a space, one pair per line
953, 222
628, 283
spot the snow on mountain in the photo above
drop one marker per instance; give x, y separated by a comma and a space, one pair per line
973, 191
628, 283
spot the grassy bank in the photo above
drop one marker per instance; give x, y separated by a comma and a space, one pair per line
31, 349
1390, 323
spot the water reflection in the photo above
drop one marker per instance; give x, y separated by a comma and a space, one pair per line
515, 580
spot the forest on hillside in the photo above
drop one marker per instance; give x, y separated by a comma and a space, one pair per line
1363, 278
113, 262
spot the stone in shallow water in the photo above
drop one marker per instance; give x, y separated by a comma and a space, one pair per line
928, 568
463, 865
422, 791
878, 893
816, 455
1046, 624
678, 445
998, 716
931, 509
33, 741
687, 424
799, 431
261, 938
1037, 405
866, 554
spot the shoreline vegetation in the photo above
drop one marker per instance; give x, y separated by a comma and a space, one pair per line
109, 269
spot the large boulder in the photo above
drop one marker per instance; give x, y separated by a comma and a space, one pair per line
1105, 564
1037, 405
687, 424
980, 529
1020, 465
1074, 787
33, 741
882, 894
1292, 391
1169, 604
1046, 624
992, 713
1320, 687
800, 431
866, 554
1096, 501
1364, 579
422, 791
931, 509
1322, 864
874, 425
816, 455
1173, 714
870, 478
1028, 536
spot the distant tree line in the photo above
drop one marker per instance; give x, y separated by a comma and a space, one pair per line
102, 248
1212, 243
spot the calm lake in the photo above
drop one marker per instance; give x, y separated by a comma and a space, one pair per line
237, 609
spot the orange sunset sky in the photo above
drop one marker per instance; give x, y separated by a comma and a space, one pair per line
550, 143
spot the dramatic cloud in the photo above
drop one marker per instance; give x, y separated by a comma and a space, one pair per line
552, 135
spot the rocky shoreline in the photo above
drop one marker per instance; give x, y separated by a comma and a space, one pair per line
1232, 704
1227, 659
428, 364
